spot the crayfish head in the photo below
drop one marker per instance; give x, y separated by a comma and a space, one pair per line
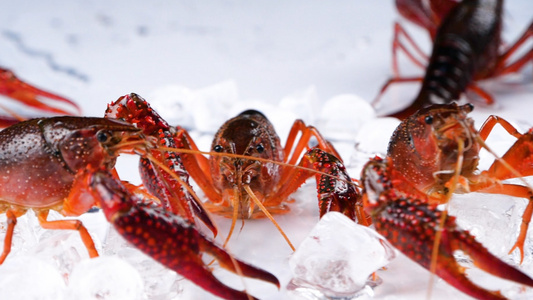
245, 151
455, 136
426, 147
93, 141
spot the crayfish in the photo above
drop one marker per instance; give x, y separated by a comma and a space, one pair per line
431, 155
66, 164
244, 175
426, 234
437, 150
18, 90
466, 48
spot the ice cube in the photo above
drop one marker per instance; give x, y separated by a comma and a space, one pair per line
338, 257
27, 277
105, 277
304, 103
343, 116
374, 135
203, 109
160, 283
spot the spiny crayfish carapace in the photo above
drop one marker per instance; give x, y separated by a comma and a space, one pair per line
248, 173
467, 47
18, 90
66, 164
437, 150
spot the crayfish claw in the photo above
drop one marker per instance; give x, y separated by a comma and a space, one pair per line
336, 189
484, 260
171, 186
412, 225
231, 264
168, 238
14, 88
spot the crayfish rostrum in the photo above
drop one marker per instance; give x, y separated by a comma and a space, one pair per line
66, 164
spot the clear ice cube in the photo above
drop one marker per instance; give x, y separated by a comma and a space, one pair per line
337, 257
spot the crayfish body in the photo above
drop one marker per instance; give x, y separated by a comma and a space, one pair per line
467, 45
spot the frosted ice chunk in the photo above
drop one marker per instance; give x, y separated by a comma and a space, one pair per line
305, 103
160, 283
105, 277
374, 135
342, 116
28, 278
338, 256
201, 109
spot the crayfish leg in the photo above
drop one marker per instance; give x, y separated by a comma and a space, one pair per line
69, 225
11, 222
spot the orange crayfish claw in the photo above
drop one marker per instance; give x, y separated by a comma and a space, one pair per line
12, 87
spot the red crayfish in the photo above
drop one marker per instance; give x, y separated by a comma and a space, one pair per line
431, 155
244, 176
437, 150
66, 164
18, 90
466, 48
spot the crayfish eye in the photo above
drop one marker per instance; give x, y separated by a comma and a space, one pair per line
428, 120
217, 148
260, 148
103, 136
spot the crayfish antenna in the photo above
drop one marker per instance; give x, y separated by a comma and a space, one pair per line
235, 215
444, 215
268, 215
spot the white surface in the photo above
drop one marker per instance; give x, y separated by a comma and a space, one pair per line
205, 62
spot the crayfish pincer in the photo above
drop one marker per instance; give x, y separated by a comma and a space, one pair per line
411, 224
66, 164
